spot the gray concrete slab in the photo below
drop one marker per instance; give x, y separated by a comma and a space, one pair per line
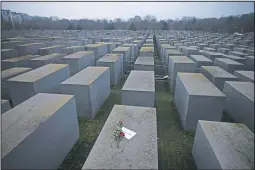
50, 49
249, 64
140, 152
147, 51
45, 79
220, 145
200, 60
40, 132
72, 49
99, 49
223, 50
228, 64
217, 75
178, 64
144, 63
237, 53
240, 102
8, 53
91, 87
79, 61
139, 89
212, 55
245, 75
235, 58
5, 106
187, 51
26, 49
196, 98
115, 63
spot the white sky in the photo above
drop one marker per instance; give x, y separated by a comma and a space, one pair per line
125, 10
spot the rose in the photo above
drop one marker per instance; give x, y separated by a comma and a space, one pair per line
122, 134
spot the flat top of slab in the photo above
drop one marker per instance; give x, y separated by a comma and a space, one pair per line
246, 88
249, 74
121, 49
140, 152
198, 84
140, 81
232, 143
39, 73
86, 76
218, 72
212, 53
22, 120
31, 44
13, 71
93, 45
250, 57
228, 61
55, 46
180, 59
200, 58
145, 60
150, 49
78, 54
3, 50
173, 52
109, 58
15, 59
72, 47
233, 57
49, 56
238, 52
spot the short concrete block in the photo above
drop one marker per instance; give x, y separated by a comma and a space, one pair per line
51, 49
43, 79
79, 60
190, 51
178, 64
26, 49
147, 52
115, 63
91, 87
249, 64
200, 61
193, 90
40, 132
237, 53
8, 53
5, 106
220, 145
72, 49
217, 75
99, 49
223, 50
212, 55
139, 89
235, 58
240, 102
142, 148
144, 63
245, 75
228, 64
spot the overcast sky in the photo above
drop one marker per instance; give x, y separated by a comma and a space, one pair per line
125, 10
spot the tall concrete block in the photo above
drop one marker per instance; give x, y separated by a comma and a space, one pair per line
141, 148
220, 145
212, 55
26, 49
8, 53
79, 60
240, 102
178, 64
40, 132
223, 50
228, 64
196, 98
200, 61
249, 64
17, 62
217, 75
144, 63
43, 79
99, 50
8, 74
187, 51
5, 106
237, 53
91, 87
245, 75
50, 49
115, 63
139, 89
171, 52
235, 58
147, 52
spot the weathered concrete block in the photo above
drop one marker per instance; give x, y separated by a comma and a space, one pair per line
26, 49
228, 64
165, 47
209, 49
147, 52
245, 75
139, 89
50, 49
72, 49
8, 53
190, 51
8, 74
235, 58
110, 46
178, 64
11, 44
144, 63
212, 55
223, 50
106, 155
240, 102
91, 87
249, 64
201, 45
237, 53
55, 58
99, 49
125, 51
5, 106
115, 63
17, 62
220, 145
79, 60
40, 132
193, 89
217, 75
43, 79
133, 50
200, 61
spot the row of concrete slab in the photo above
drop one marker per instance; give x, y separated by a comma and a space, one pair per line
208, 78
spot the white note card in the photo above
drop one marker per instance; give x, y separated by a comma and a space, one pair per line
128, 133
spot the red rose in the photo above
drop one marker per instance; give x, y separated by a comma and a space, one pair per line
120, 122
122, 134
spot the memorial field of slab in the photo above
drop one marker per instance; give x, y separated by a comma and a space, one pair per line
228, 64
50, 49
245, 75
144, 63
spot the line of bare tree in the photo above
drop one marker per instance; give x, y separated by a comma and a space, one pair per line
241, 23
